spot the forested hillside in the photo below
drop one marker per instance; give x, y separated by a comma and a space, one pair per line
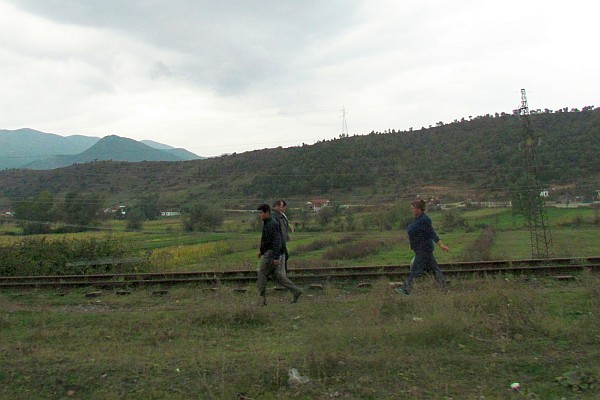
482, 154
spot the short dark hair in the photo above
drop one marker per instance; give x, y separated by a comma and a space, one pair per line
264, 208
418, 204
279, 202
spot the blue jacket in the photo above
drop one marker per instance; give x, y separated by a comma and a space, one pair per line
421, 234
271, 238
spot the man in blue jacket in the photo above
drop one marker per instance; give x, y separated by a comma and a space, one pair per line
422, 238
272, 258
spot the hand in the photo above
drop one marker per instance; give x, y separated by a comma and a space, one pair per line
259, 255
444, 248
276, 262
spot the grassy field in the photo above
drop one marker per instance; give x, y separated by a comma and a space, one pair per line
344, 342
574, 233
347, 343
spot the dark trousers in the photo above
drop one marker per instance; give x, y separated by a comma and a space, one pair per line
424, 261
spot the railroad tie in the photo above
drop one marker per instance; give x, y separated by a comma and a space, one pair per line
564, 277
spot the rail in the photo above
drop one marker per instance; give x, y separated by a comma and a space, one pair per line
305, 275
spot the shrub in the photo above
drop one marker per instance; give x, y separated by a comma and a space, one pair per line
361, 249
452, 220
202, 217
480, 250
40, 256
315, 245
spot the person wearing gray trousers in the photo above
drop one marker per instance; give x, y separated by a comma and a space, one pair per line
272, 258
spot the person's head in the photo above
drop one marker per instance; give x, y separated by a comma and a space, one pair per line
264, 211
279, 205
418, 207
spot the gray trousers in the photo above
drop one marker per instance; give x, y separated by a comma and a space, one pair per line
277, 272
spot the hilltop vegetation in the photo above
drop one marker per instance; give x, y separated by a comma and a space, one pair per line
481, 155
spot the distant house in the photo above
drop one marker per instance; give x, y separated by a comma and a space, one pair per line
170, 213
6, 213
544, 193
564, 199
317, 204
115, 211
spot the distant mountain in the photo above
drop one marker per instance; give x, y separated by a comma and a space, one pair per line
156, 145
28, 148
183, 153
23, 146
112, 147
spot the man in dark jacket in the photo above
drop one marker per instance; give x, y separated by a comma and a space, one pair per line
422, 238
272, 258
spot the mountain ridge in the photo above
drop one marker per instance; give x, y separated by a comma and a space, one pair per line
32, 149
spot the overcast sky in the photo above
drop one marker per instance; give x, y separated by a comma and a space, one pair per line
231, 76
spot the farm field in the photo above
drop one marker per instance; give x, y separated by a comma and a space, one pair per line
574, 233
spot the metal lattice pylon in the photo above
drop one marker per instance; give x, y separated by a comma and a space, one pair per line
534, 204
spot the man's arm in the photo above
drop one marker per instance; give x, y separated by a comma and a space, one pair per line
444, 248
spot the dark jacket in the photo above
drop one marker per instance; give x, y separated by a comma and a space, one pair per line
271, 238
421, 234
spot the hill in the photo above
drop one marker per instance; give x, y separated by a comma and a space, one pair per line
28, 148
179, 152
108, 148
23, 146
479, 157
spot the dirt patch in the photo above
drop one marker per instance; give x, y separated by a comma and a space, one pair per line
89, 309
9, 306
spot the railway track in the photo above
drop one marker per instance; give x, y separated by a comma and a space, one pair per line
305, 275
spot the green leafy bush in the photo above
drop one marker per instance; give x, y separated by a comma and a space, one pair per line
40, 256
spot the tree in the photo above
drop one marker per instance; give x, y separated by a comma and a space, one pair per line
35, 215
199, 216
149, 206
81, 209
135, 219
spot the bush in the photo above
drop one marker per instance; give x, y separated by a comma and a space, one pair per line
480, 250
452, 220
358, 250
202, 217
40, 256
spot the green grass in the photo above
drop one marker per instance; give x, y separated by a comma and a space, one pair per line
176, 250
360, 344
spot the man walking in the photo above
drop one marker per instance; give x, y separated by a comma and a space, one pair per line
284, 227
422, 238
272, 258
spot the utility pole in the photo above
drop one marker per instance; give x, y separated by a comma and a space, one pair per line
533, 203
344, 124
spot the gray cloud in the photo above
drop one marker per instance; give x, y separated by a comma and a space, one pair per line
224, 76
228, 45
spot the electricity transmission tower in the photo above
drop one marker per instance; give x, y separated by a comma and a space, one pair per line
533, 203
344, 124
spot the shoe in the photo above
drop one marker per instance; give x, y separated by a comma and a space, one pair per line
401, 291
296, 297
